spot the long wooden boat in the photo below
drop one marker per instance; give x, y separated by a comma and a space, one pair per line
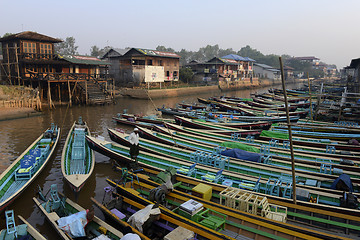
306, 141
58, 206
301, 143
234, 127
77, 159
296, 213
257, 166
257, 223
22, 172
169, 221
255, 106
148, 119
112, 208
272, 102
319, 135
305, 173
305, 152
326, 197
323, 128
212, 140
21, 231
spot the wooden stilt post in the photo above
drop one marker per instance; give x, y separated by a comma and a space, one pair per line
8, 63
69, 93
49, 96
289, 129
17, 64
59, 89
86, 93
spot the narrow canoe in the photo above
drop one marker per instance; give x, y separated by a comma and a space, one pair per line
236, 224
58, 206
20, 174
77, 159
23, 231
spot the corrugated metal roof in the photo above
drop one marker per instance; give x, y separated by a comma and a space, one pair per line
31, 36
156, 53
267, 67
85, 60
235, 57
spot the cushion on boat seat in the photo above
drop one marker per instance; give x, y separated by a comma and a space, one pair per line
24, 170
35, 152
118, 213
27, 161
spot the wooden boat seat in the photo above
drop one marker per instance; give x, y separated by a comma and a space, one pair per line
77, 166
188, 171
53, 216
209, 220
119, 214
10, 223
211, 177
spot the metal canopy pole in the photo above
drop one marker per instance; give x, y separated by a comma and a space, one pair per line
289, 129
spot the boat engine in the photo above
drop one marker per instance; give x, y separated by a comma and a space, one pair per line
158, 194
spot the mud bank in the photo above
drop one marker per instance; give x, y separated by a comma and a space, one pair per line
14, 113
165, 93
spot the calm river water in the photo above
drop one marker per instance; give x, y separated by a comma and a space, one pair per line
17, 135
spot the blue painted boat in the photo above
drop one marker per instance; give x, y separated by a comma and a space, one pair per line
19, 175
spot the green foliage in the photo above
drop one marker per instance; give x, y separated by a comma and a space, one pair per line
7, 34
95, 51
185, 74
164, 49
66, 47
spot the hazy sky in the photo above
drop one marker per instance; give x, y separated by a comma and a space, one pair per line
327, 29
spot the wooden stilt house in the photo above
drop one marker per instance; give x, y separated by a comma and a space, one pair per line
29, 59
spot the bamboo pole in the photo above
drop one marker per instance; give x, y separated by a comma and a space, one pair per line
311, 110
289, 128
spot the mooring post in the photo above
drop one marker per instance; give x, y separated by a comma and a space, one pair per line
289, 129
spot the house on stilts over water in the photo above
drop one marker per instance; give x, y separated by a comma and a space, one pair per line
29, 59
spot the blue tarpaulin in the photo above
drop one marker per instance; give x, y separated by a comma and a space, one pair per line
242, 154
343, 182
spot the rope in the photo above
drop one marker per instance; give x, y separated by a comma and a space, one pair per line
147, 92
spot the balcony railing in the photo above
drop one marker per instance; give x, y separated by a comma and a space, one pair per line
68, 77
37, 56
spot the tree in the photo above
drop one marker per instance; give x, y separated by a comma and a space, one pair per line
185, 75
7, 34
95, 51
66, 47
164, 49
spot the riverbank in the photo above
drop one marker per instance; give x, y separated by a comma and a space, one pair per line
143, 93
14, 113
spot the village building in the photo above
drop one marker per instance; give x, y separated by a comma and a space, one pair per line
228, 68
288, 73
310, 59
29, 59
113, 56
353, 82
266, 71
143, 67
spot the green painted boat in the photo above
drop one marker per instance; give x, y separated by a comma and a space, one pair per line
20, 174
77, 159
59, 206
